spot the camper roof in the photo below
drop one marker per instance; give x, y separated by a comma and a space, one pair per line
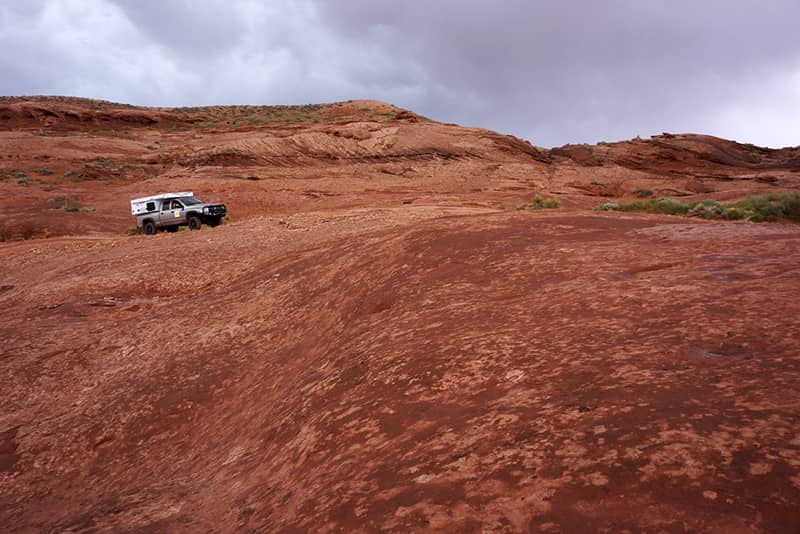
162, 195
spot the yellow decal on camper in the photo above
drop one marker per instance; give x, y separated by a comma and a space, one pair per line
177, 214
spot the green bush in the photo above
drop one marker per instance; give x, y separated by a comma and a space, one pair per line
791, 206
707, 209
756, 208
771, 206
656, 205
541, 203
643, 193
45, 171
732, 213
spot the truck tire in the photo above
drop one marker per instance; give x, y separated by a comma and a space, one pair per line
194, 222
149, 228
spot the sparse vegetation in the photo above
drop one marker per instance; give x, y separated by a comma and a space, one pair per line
68, 204
44, 171
72, 175
20, 177
541, 203
757, 208
643, 193
79, 209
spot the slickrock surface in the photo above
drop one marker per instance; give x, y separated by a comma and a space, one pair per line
374, 344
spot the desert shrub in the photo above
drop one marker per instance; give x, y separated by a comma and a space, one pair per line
607, 206
78, 209
707, 209
72, 175
22, 180
756, 208
732, 213
656, 205
761, 208
69, 205
791, 206
44, 171
643, 193
541, 203
131, 231
771, 206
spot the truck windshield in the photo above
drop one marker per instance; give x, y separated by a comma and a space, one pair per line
190, 201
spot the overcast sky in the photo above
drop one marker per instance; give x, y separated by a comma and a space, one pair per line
550, 71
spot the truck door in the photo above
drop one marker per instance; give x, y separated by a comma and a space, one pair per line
166, 217
178, 212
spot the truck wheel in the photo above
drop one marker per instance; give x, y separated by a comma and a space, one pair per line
149, 228
194, 223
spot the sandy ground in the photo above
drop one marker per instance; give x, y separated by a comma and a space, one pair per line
373, 344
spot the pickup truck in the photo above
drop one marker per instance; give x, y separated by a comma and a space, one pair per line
169, 211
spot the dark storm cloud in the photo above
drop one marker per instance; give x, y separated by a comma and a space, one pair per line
549, 71
184, 27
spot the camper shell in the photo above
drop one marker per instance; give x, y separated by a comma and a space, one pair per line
172, 210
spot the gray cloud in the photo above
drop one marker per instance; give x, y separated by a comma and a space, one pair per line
552, 72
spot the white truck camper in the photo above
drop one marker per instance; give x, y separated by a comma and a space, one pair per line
149, 204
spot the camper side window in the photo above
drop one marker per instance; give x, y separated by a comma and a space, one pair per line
151, 206
165, 205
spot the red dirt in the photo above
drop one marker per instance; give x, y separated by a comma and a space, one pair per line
373, 345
